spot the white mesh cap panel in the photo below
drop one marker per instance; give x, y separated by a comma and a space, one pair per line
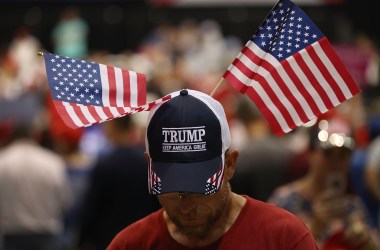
218, 110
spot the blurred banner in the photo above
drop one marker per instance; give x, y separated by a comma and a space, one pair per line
207, 3
358, 62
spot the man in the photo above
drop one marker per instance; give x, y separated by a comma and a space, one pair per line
190, 166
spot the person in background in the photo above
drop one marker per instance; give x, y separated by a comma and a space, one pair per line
372, 171
22, 50
34, 193
322, 199
78, 168
70, 34
190, 165
117, 194
66, 142
364, 171
262, 158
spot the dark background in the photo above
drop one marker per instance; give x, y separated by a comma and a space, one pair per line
121, 25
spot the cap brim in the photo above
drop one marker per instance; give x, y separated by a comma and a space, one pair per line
202, 177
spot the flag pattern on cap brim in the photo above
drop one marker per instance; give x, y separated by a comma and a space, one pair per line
290, 70
154, 182
215, 181
87, 93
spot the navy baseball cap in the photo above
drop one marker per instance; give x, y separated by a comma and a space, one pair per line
186, 138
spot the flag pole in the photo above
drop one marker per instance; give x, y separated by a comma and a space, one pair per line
221, 80
217, 86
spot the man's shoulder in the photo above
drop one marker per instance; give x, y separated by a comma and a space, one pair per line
147, 223
37, 154
140, 232
266, 226
263, 206
267, 212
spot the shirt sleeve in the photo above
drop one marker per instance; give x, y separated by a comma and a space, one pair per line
307, 242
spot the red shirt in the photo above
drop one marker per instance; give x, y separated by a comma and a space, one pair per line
259, 226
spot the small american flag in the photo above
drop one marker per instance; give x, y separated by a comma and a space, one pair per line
290, 70
215, 181
86, 93
154, 182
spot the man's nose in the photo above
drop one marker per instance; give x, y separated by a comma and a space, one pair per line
186, 204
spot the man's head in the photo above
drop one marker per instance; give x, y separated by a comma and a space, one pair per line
186, 140
190, 164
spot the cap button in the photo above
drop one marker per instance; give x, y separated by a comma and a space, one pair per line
183, 92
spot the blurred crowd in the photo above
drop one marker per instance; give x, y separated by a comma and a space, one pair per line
77, 188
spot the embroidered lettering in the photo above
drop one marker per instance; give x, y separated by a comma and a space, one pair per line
185, 139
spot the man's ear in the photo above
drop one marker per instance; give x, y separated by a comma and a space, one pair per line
147, 156
230, 163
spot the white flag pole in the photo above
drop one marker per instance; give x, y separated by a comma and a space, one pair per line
217, 86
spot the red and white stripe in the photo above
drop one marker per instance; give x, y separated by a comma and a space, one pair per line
217, 178
122, 88
294, 91
153, 179
79, 115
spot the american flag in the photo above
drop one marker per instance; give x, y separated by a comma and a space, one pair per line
86, 93
215, 181
154, 182
290, 70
